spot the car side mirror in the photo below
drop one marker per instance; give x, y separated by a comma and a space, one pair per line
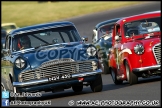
117, 38
85, 38
5, 51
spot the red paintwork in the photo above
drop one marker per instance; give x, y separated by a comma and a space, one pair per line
133, 59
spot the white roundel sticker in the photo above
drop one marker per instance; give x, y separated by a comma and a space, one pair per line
125, 50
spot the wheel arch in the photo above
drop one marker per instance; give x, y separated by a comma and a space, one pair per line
124, 62
127, 60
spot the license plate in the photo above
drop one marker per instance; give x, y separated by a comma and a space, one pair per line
59, 77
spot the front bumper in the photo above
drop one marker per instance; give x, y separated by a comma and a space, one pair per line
155, 67
37, 82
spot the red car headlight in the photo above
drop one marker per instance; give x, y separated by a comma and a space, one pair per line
139, 49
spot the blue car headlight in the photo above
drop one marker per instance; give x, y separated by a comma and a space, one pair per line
139, 49
20, 63
91, 51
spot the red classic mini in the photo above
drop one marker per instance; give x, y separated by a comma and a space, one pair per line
136, 48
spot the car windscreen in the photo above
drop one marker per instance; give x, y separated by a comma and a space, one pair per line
142, 26
47, 37
106, 29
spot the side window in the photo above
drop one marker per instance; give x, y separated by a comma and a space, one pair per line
118, 33
7, 43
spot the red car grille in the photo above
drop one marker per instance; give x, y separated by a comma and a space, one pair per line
157, 52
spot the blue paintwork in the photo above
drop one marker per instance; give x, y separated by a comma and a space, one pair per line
32, 61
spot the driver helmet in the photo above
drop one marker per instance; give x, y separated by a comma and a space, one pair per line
24, 42
132, 31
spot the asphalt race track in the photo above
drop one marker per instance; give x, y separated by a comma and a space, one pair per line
146, 89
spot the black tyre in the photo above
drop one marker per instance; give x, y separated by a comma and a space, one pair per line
101, 63
78, 87
96, 85
114, 77
106, 69
131, 77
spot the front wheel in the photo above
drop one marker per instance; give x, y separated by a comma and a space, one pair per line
96, 85
131, 77
114, 77
106, 68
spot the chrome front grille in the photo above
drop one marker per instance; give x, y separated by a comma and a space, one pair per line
157, 52
67, 67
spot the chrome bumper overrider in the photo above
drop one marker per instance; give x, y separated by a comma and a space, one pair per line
35, 82
146, 68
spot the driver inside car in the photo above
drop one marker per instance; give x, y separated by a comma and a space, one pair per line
24, 43
132, 32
